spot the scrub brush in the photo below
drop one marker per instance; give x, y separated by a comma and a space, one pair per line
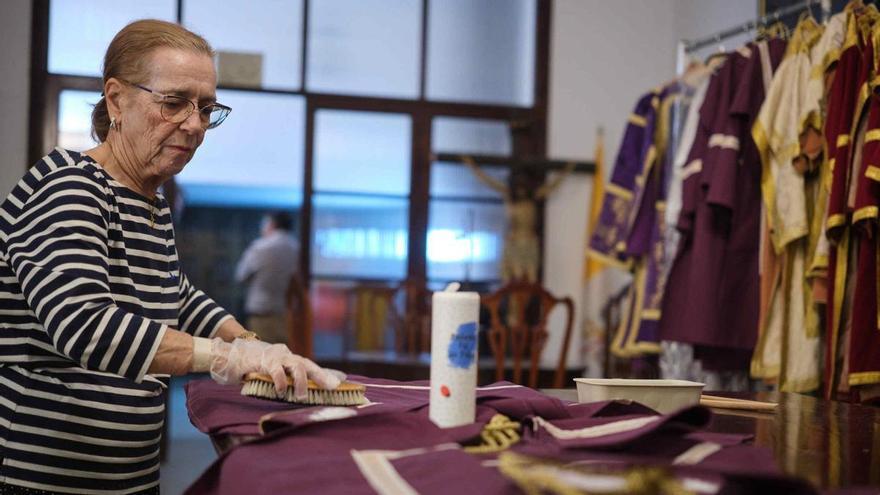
347, 394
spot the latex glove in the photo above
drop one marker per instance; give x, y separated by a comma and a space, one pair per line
231, 361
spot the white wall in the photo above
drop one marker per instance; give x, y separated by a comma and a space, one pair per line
15, 38
604, 54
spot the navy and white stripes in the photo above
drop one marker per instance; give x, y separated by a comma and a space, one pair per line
89, 283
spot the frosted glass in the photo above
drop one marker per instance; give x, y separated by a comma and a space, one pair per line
260, 144
364, 152
360, 237
272, 28
464, 240
80, 30
75, 119
481, 51
364, 47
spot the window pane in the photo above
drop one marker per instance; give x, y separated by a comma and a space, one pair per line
80, 30
364, 152
237, 166
358, 236
464, 240
75, 119
481, 51
364, 47
269, 28
474, 136
466, 218
468, 136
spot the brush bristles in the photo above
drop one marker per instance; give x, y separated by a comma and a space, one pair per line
345, 396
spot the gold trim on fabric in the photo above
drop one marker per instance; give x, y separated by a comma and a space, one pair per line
376, 467
632, 347
610, 260
872, 135
724, 141
605, 429
837, 303
873, 173
499, 434
694, 167
618, 191
835, 220
842, 140
637, 120
623, 325
622, 347
864, 378
864, 213
651, 314
768, 189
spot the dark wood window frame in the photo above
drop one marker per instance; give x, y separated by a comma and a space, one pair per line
531, 121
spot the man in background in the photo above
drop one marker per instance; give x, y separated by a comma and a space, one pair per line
268, 267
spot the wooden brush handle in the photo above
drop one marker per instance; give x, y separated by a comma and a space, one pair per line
731, 403
343, 387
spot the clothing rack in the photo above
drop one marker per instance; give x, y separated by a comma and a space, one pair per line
693, 45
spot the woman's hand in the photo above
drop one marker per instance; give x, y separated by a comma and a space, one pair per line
231, 361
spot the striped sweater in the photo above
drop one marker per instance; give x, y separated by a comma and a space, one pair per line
89, 283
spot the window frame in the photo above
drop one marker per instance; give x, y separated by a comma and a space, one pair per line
530, 121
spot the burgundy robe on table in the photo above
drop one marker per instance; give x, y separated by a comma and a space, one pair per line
391, 445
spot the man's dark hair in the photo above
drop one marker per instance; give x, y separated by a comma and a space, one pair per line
281, 220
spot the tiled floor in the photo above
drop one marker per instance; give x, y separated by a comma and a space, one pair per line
189, 451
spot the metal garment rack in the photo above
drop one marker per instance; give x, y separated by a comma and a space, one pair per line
688, 46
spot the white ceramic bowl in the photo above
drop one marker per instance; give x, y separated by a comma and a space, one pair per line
664, 396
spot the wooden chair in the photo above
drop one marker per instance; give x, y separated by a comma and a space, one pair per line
412, 325
518, 315
405, 309
299, 319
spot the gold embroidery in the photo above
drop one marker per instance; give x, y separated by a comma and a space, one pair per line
499, 434
638, 120
618, 191
873, 173
872, 135
864, 378
842, 140
864, 213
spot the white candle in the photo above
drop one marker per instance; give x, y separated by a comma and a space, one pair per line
454, 326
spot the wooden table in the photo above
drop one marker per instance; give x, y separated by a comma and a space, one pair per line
831, 444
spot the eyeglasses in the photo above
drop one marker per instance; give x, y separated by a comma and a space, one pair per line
176, 109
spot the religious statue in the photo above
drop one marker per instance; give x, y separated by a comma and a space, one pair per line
521, 255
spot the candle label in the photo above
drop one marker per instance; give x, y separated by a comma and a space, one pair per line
463, 346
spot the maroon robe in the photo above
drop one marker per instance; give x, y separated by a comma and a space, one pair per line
712, 293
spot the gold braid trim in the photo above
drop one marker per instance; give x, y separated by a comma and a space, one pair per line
499, 434
536, 476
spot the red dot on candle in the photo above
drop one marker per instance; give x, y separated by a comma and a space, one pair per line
444, 391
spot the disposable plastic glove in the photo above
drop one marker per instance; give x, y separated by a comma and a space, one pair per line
231, 361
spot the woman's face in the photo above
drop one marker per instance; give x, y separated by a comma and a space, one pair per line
160, 149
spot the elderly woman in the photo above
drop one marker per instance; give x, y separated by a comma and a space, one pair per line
95, 309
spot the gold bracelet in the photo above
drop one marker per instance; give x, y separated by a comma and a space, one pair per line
248, 335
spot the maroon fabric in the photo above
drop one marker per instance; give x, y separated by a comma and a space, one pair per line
222, 410
686, 420
318, 459
316, 449
711, 297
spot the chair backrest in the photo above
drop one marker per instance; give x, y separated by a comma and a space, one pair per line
518, 319
412, 325
299, 319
